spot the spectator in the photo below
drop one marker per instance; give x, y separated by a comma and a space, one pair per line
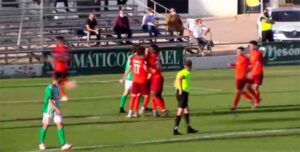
121, 26
98, 3
149, 23
197, 31
174, 24
65, 2
91, 27
121, 2
266, 23
38, 2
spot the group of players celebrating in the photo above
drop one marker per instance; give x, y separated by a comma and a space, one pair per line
143, 79
248, 74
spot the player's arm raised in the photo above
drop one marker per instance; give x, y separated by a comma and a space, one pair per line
125, 75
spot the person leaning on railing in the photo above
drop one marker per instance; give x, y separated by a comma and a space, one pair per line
91, 27
174, 24
149, 24
122, 26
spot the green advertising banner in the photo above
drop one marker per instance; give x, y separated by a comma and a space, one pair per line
86, 62
281, 53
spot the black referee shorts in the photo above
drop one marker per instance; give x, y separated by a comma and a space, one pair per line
182, 99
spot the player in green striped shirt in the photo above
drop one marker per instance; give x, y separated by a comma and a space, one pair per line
128, 80
51, 112
182, 84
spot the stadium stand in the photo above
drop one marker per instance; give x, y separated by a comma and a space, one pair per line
27, 29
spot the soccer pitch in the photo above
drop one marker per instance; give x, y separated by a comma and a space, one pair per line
92, 121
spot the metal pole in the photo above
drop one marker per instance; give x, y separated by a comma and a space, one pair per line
155, 9
21, 26
42, 25
261, 6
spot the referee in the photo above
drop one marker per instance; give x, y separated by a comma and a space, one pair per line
182, 84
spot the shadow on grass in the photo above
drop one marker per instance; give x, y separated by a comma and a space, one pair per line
195, 112
244, 110
75, 124
245, 134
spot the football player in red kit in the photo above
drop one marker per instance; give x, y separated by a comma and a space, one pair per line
61, 59
156, 82
140, 85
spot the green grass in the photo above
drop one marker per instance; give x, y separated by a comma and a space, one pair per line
92, 119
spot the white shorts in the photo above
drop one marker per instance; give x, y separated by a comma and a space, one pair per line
128, 85
47, 118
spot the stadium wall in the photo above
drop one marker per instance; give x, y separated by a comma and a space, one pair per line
214, 62
203, 8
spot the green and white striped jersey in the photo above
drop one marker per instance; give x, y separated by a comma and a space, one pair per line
52, 92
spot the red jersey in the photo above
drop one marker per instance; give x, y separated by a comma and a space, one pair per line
256, 60
61, 58
139, 70
241, 67
154, 64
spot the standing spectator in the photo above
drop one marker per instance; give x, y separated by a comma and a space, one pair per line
38, 2
65, 2
91, 27
98, 2
198, 31
149, 24
121, 26
174, 24
266, 23
121, 2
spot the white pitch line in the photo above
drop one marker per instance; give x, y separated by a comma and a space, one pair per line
220, 136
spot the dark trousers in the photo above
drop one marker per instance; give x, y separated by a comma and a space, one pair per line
119, 31
97, 35
98, 3
122, 2
267, 36
65, 2
202, 42
153, 31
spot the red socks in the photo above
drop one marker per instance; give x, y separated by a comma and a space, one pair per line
161, 104
247, 96
132, 102
236, 100
137, 103
146, 101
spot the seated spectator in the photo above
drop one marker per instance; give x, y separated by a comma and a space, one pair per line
121, 26
65, 2
91, 27
174, 24
149, 23
197, 31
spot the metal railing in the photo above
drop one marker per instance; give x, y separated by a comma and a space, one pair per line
155, 4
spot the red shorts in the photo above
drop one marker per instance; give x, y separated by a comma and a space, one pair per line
241, 83
257, 79
140, 89
156, 83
